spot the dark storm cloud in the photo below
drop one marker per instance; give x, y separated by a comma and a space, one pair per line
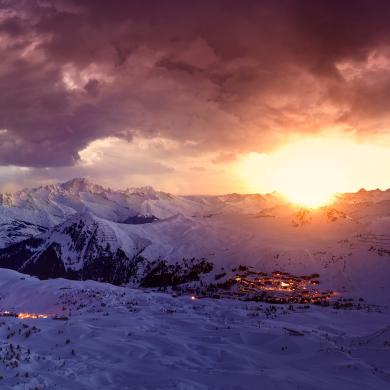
228, 76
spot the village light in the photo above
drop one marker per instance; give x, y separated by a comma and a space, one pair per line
30, 315
7, 313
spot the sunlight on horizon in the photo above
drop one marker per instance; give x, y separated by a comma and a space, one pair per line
310, 172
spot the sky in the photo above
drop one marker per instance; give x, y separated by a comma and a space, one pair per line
196, 97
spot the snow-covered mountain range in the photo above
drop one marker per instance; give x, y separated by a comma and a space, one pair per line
81, 230
62, 333
60, 229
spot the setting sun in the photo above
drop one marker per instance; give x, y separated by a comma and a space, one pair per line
309, 183
311, 171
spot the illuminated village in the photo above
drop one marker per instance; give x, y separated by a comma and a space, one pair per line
22, 315
282, 287
276, 288
32, 316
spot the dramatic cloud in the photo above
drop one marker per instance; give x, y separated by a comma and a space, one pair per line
218, 78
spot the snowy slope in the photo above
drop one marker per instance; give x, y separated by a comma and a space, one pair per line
84, 246
119, 338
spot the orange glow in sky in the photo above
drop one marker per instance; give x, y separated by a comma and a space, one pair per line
311, 171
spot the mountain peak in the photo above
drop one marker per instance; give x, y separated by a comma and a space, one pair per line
81, 184
146, 190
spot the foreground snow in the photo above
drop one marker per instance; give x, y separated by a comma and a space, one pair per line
120, 338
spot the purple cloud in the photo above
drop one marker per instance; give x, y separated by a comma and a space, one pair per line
223, 76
